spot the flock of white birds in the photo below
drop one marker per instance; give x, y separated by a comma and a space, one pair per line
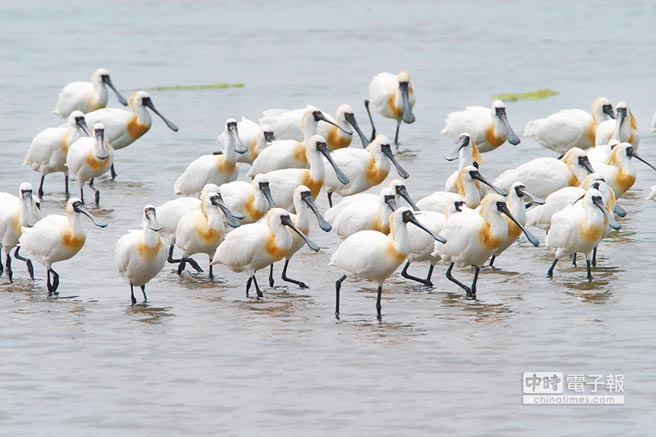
294, 155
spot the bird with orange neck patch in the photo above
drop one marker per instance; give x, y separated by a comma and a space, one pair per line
57, 238
392, 96
303, 203
86, 96
488, 127
212, 169
255, 246
466, 191
467, 154
141, 255
618, 170
47, 153
364, 168
253, 136
623, 129
16, 212
543, 176
475, 235
249, 199
89, 158
517, 207
283, 182
579, 228
374, 256
122, 128
202, 230
290, 153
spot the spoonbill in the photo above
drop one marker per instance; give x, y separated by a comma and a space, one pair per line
360, 216
618, 170
543, 176
86, 96
303, 203
283, 182
202, 230
579, 228
624, 128
570, 127
364, 168
125, 127
290, 153
255, 246
517, 207
475, 235
248, 199
421, 244
392, 96
467, 191
57, 238
47, 153
253, 136
16, 213
374, 256
212, 169
488, 127
466, 154
141, 255
89, 158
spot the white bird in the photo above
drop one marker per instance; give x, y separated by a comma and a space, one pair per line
334, 130
364, 168
421, 244
253, 136
303, 203
360, 216
141, 255
475, 235
284, 182
374, 256
125, 127
488, 127
255, 246
57, 238
202, 230
652, 193
47, 153
618, 170
543, 176
517, 207
290, 153
623, 129
397, 185
89, 158
16, 213
249, 199
466, 154
86, 96
579, 228
392, 96
467, 191
653, 123
212, 169
570, 127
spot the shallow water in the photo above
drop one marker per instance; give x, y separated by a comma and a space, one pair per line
201, 358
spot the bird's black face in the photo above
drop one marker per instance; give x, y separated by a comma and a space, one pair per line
407, 216
77, 206
629, 151
232, 125
321, 146
458, 204
519, 189
317, 115
269, 136
306, 194
391, 202
608, 110
585, 163
500, 111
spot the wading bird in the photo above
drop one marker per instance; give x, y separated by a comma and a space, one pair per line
89, 158
86, 96
253, 136
392, 96
15, 214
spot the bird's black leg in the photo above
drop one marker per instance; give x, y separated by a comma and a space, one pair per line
82, 193
454, 280
182, 265
271, 280
194, 264
338, 286
426, 281
10, 272
170, 257
55, 281
396, 136
379, 294
257, 287
587, 265
248, 285
43, 178
477, 270
594, 257
143, 291
551, 268
96, 193
132, 298
30, 267
330, 199
112, 170
66, 186
492, 260
211, 269
574, 259
288, 279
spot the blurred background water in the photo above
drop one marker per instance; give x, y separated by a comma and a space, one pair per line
201, 358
